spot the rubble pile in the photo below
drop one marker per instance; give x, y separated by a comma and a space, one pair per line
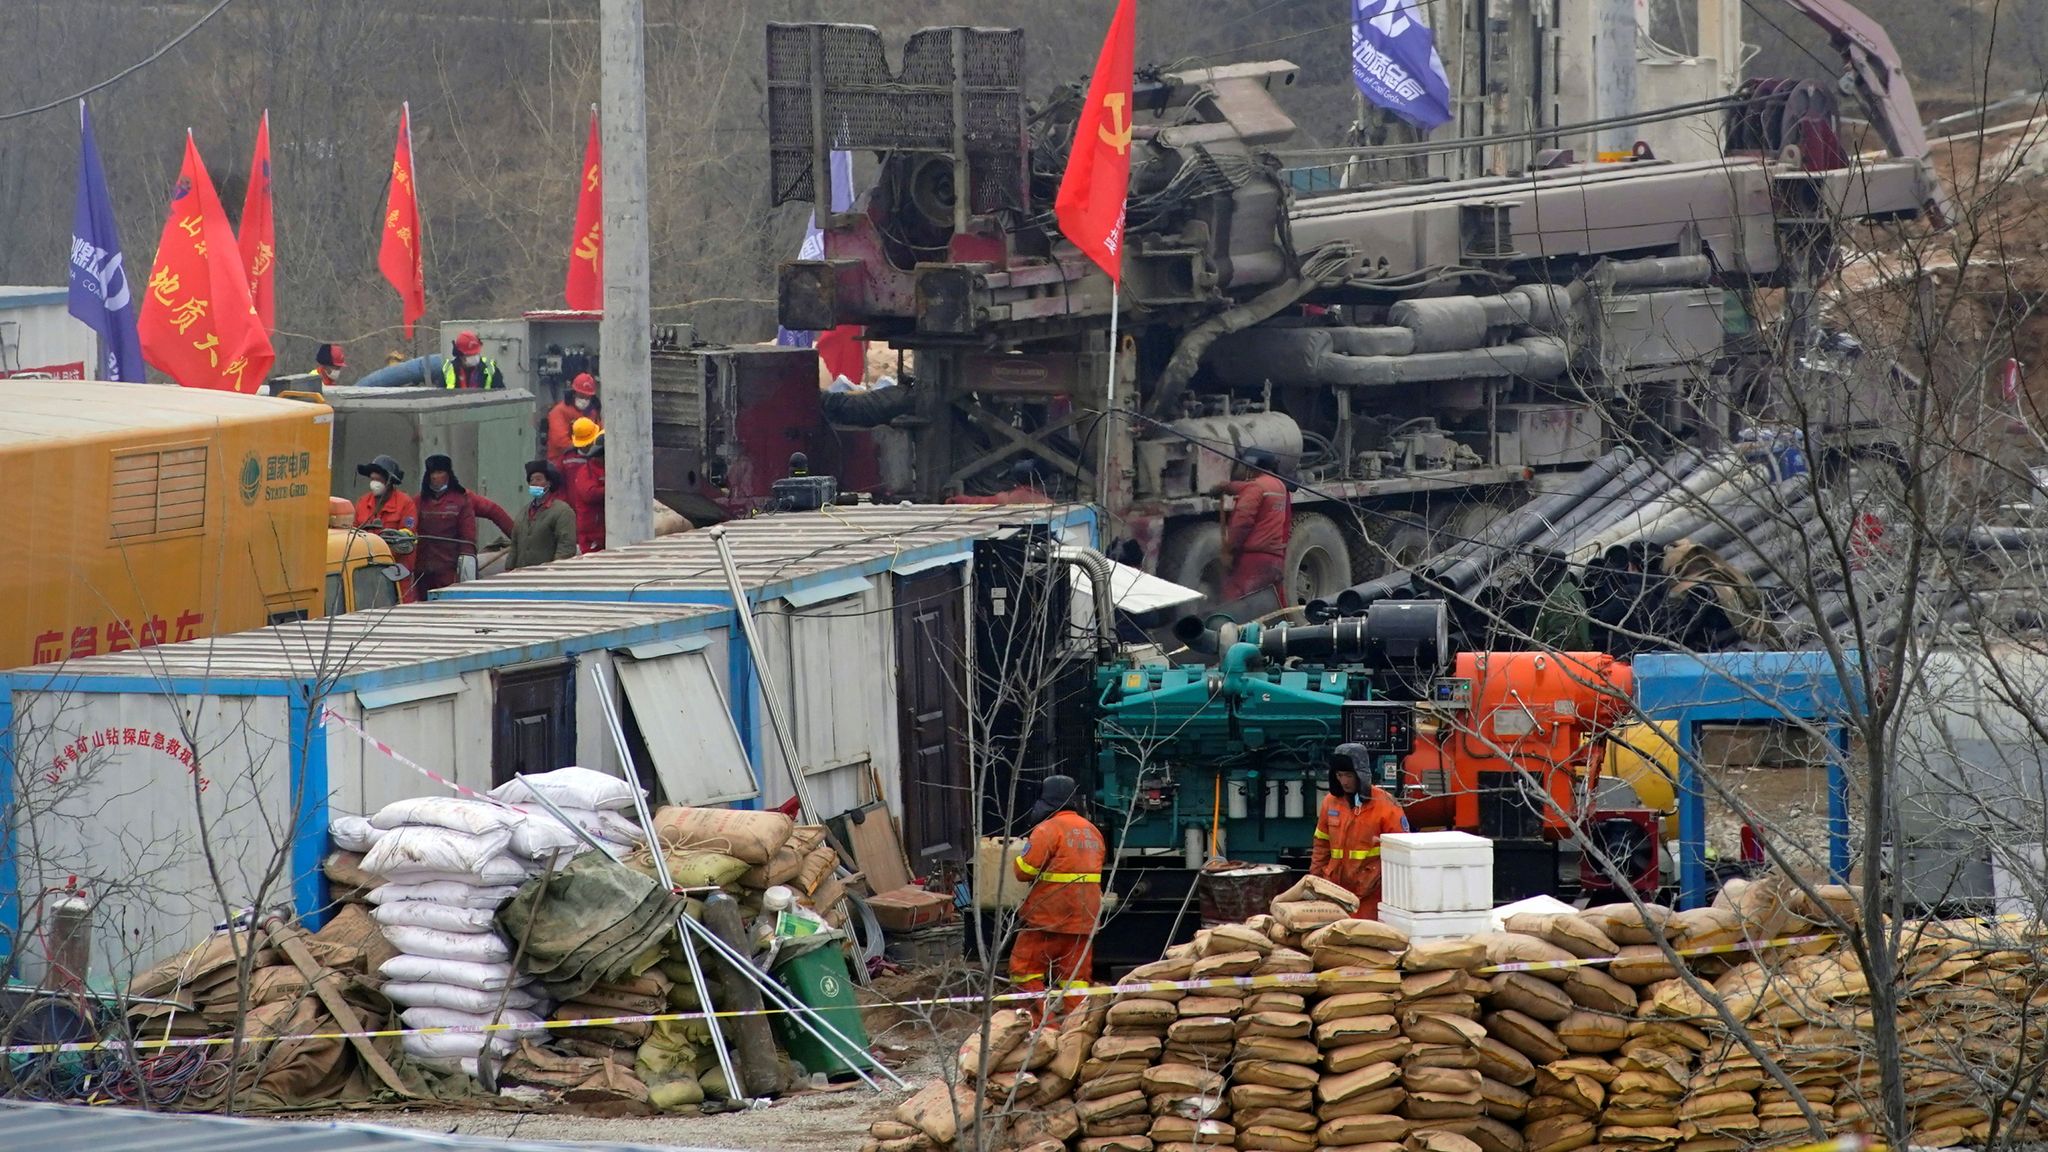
1562, 1032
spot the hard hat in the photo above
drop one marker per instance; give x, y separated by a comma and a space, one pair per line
583, 385
330, 356
584, 432
467, 344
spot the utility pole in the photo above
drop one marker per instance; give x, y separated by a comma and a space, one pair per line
626, 330
1614, 72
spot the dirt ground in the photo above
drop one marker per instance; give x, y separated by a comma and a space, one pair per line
1793, 802
913, 1039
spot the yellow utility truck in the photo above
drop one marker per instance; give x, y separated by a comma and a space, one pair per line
146, 514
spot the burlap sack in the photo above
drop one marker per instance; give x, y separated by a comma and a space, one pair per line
1268, 1001
1328, 956
1702, 1106
1343, 1086
1211, 1005
1200, 1055
1672, 1034
1454, 1081
1530, 995
1525, 1035
1127, 1047
1497, 1061
1594, 989
1356, 933
938, 1110
1593, 1032
1110, 1107
1114, 1084
1315, 888
1356, 1030
1142, 1016
1440, 1028
1523, 948
1274, 1074
1650, 1116
1285, 962
1227, 964
1384, 1102
1643, 1136
1038, 1050
893, 1130
1560, 1134
1200, 1030
1437, 955
1442, 1105
1626, 924
1439, 1140
1503, 1101
1006, 1030
1703, 928
1638, 1083
1569, 932
1641, 964
1285, 1025
1112, 1144
1441, 1056
1307, 916
1440, 982
749, 836
1353, 979
1117, 1126
1355, 1056
1457, 1005
1243, 1096
1196, 1106
1215, 1133
1093, 1069
1182, 1079
1226, 938
1600, 1071
1351, 1131
1493, 1135
1160, 970
1270, 1138
1278, 1048
1277, 1117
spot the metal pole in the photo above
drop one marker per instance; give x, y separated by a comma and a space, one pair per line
1105, 486
744, 608
624, 332
1614, 72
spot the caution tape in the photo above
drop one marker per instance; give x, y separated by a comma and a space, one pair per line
1276, 980
395, 754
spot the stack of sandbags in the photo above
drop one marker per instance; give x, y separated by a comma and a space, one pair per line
1444, 1072
1309, 905
1276, 1060
1009, 1087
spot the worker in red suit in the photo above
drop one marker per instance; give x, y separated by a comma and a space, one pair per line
579, 404
583, 483
386, 510
1255, 537
1027, 486
1349, 825
1063, 865
447, 553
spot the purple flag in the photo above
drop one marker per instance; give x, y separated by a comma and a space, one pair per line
1394, 60
99, 284
814, 239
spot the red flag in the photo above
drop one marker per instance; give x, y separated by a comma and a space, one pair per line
198, 326
258, 235
1090, 204
585, 289
398, 256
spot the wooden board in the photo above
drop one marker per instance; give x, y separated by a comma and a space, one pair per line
871, 837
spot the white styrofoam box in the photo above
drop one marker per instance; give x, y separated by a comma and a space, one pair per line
1421, 926
1436, 872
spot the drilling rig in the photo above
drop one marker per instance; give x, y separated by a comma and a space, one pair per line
1413, 354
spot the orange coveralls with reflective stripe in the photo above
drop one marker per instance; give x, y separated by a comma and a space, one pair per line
1347, 845
1063, 865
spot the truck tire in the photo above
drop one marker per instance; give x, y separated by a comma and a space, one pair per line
1192, 557
1407, 543
1466, 522
1318, 560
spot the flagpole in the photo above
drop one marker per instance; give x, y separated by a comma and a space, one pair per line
419, 217
1109, 404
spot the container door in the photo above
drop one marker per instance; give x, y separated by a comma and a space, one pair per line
533, 725
930, 658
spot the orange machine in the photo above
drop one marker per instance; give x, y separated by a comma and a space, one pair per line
1503, 714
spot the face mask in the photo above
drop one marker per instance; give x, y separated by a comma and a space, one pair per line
536, 491
376, 487
439, 488
469, 361
582, 403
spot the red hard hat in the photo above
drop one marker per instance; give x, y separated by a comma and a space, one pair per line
468, 344
583, 385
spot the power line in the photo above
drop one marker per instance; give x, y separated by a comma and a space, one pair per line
124, 73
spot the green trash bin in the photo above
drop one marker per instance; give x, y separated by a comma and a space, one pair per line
814, 970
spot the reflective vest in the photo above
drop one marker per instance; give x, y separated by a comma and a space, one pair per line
1063, 865
1347, 844
486, 366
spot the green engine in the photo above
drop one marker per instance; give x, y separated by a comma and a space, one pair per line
1241, 745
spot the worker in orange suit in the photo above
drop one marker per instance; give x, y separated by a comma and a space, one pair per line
1063, 865
1353, 817
1261, 521
579, 404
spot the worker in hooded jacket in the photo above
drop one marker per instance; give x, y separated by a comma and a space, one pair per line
1353, 817
1062, 863
1256, 535
447, 529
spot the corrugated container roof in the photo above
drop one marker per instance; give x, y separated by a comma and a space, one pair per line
776, 551
74, 1128
405, 636
36, 411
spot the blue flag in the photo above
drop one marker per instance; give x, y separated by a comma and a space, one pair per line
814, 238
1394, 60
99, 284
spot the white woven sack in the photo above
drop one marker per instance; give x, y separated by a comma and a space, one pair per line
463, 973
476, 947
453, 893
456, 1045
353, 833
569, 788
476, 817
539, 836
454, 997
417, 849
427, 914
522, 1022
499, 871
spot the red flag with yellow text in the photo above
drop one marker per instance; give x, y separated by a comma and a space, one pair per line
198, 326
1090, 204
585, 289
257, 235
398, 255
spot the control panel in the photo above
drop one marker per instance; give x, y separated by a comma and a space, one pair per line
1384, 727
1451, 693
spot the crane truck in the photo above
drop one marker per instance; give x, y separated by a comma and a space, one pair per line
1413, 353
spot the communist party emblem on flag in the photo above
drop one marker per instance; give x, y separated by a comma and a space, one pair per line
1090, 204
585, 288
198, 325
398, 256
